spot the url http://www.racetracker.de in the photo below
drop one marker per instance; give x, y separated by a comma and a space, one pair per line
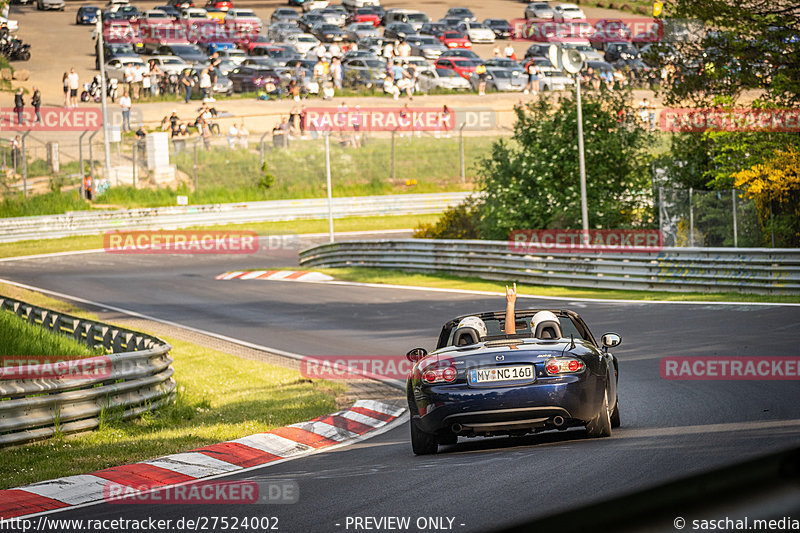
107, 525
746, 523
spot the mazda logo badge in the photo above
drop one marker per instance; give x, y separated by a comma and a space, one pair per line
499, 357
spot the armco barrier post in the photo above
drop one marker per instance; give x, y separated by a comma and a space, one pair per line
691, 220
735, 231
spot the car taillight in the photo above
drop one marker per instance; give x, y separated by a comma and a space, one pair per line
564, 365
438, 373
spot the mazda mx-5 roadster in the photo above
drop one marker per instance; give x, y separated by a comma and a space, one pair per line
549, 374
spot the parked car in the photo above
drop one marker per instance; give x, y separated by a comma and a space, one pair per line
410, 16
357, 4
357, 30
500, 27
251, 78
50, 4
180, 4
303, 42
284, 14
441, 78
87, 15
366, 14
399, 30
552, 375
215, 14
309, 20
582, 46
279, 31
460, 52
568, 12
173, 12
243, 21
433, 28
253, 41
609, 31
463, 66
550, 78
115, 69
462, 13
622, 50
363, 72
505, 62
477, 32
222, 5
335, 15
455, 39
235, 56
540, 11
420, 63
223, 84
426, 46
191, 53
328, 33
113, 51
500, 79
170, 64
537, 50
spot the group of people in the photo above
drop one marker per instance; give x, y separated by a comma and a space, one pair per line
204, 124
19, 105
237, 136
71, 82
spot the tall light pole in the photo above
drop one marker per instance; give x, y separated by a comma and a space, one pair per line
582, 160
102, 62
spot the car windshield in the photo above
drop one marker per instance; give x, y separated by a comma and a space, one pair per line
374, 63
495, 328
417, 17
156, 15
172, 61
187, 49
501, 73
467, 62
447, 73
453, 35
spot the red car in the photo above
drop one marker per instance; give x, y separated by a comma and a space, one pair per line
222, 5
251, 42
365, 14
463, 66
455, 39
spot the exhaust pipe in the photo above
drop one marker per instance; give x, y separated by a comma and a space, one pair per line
558, 421
456, 428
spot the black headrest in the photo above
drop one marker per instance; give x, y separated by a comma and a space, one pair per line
466, 336
548, 329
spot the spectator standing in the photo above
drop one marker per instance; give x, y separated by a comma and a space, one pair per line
205, 84
388, 52
205, 132
125, 104
138, 78
508, 51
480, 70
187, 82
16, 152
155, 75
336, 72
403, 49
533, 77
496, 51
127, 76
233, 136
36, 102
243, 134
74, 83
19, 104
213, 63
65, 82
335, 50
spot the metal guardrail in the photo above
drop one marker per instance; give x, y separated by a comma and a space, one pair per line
87, 223
140, 379
754, 270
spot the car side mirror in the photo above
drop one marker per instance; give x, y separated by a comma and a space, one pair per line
609, 340
416, 354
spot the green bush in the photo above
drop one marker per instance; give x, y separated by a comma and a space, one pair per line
458, 222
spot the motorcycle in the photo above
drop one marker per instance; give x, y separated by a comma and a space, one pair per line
92, 91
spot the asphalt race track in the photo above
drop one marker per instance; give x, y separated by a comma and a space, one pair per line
669, 428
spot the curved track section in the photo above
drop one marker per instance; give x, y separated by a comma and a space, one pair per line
670, 428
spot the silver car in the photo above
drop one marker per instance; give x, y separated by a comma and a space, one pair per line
50, 4
441, 78
426, 46
539, 10
500, 79
357, 30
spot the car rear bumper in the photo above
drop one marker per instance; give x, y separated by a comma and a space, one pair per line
497, 410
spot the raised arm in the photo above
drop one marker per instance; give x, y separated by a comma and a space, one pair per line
511, 298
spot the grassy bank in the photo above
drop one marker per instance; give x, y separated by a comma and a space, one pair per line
397, 277
94, 242
421, 165
220, 397
18, 337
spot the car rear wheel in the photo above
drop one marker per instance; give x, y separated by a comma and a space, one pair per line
600, 425
615, 421
422, 443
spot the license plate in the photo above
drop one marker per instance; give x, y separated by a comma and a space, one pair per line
500, 374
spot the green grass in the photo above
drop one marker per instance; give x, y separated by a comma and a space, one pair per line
219, 397
18, 337
93, 242
422, 165
397, 277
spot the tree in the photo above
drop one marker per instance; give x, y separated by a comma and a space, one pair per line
532, 181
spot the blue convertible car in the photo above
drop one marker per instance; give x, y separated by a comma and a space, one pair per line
550, 374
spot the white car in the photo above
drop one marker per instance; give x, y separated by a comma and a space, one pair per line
170, 64
243, 19
303, 42
441, 78
115, 69
584, 47
194, 13
315, 4
477, 32
568, 12
355, 4
234, 55
419, 62
12, 25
